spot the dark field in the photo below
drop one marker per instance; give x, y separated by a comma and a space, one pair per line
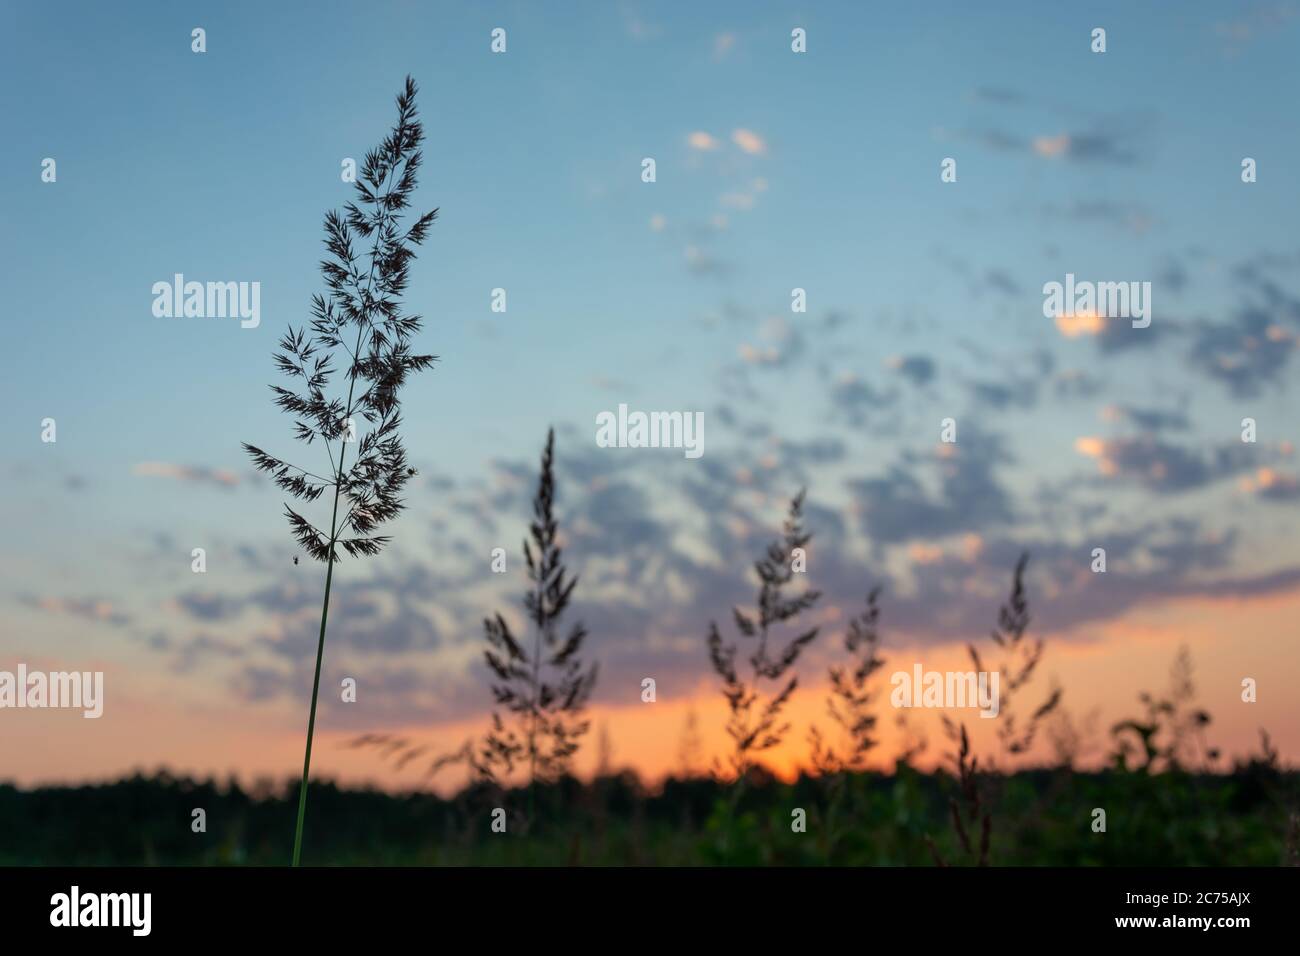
1042, 817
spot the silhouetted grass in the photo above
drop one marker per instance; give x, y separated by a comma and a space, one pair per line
365, 295
755, 714
541, 689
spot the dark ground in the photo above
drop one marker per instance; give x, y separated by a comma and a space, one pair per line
1042, 817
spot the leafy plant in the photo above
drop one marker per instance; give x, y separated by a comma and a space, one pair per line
754, 722
970, 811
850, 699
1020, 659
1172, 730
849, 706
362, 305
543, 689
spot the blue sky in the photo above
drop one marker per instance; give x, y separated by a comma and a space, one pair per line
774, 171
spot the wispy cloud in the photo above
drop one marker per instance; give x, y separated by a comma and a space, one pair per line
637, 26
1131, 217
1272, 485
1255, 20
917, 369
1104, 147
89, 609
1162, 467
1147, 419
779, 345
1244, 353
702, 141
700, 262
218, 477
749, 141
1051, 146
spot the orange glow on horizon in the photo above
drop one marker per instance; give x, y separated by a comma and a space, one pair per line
1102, 668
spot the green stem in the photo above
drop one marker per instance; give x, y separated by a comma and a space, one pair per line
315, 687
329, 572
320, 643
532, 730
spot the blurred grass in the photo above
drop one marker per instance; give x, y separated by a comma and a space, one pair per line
1040, 817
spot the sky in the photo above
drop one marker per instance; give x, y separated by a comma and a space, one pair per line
774, 171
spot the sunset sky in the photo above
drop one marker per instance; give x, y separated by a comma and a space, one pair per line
775, 171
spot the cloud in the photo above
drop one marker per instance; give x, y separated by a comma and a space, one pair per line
1073, 325
1073, 383
1132, 217
1105, 139
616, 521
1051, 146
700, 262
898, 507
1272, 485
968, 549
1164, 468
744, 199
1256, 20
192, 473
702, 141
637, 27
995, 139
89, 609
1244, 353
737, 200
387, 613
996, 95
364, 617
607, 384
1004, 395
1174, 277
779, 345
950, 589
1094, 147
749, 141
815, 451
1148, 563
1000, 281
1102, 146
917, 369
660, 556
1099, 148
1111, 334
1267, 292
200, 648
854, 400
1148, 419
207, 606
